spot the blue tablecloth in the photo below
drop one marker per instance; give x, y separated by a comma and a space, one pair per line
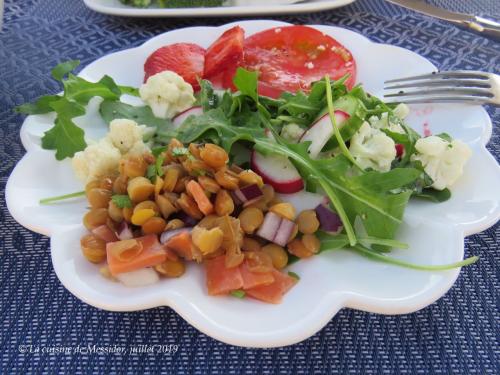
459, 334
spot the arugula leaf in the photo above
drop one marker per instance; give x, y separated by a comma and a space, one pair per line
394, 179
65, 137
206, 97
60, 70
246, 82
122, 201
434, 195
81, 91
214, 125
40, 106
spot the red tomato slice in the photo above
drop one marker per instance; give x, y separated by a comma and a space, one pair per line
225, 54
291, 58
185, 59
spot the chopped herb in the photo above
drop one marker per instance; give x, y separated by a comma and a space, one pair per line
159, 165
151, 172
294, 275
122, 201
238, 293
180, 151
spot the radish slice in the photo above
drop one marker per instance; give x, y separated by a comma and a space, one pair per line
181, 117
142, 277
124, 232
329, 220
321, 131
277, 171
270, 226
284, 232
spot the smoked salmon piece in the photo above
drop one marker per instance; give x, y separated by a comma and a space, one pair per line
273, 293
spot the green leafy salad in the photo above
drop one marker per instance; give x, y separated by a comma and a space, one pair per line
340, 159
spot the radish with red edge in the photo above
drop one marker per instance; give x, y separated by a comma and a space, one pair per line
321, 131
277, 171
181, 117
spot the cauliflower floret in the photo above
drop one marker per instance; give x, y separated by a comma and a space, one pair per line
372, 148
127, 136
102, 158
402, 110
443, 161
98, 159
292, 132
167, 94
384, 123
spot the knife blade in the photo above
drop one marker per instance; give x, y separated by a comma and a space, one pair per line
478, 24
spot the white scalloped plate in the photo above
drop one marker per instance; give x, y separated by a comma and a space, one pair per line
328, 282
245, 8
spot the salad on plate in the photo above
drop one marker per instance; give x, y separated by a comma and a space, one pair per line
204, 161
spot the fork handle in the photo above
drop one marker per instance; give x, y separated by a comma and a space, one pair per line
484, 26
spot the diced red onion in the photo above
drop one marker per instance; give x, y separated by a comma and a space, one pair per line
250, 193
238, 196
329, 220
284, 232
270, 226
186, 219
167, 235
124, 232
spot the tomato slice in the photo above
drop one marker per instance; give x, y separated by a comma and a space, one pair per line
290, 58
185, 59
225, 54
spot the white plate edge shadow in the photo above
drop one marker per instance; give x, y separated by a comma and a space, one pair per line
330, 304
241, 10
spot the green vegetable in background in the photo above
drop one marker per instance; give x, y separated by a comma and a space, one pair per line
173, 3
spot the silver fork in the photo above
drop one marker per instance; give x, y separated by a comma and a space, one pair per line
462, 86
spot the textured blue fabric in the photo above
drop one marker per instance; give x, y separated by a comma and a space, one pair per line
459, 334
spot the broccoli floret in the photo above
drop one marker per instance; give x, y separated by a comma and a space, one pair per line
189, 3
137, 3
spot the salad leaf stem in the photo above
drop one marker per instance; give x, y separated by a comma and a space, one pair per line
372, 254
331, 112
383, 241
62, 197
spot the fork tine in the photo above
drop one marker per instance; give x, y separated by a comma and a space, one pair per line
451, 90
442, 75
443, 99
442, 82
